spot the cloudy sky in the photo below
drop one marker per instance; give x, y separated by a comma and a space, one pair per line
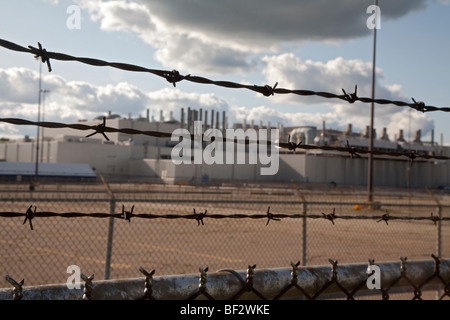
320, 45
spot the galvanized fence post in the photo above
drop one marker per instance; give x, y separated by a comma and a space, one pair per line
438, 222
439, 232
112, 208
305, 212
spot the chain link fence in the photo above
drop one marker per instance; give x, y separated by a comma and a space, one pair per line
233, 227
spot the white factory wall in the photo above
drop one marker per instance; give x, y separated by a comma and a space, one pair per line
131, 162
18, 152
388, 173
171, 173
104, 159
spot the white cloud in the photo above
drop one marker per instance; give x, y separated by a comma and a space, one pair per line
119, 15
52, 2
293, 73
332, 76
18, 84
410, 122
69, 101
212, 37
264, 22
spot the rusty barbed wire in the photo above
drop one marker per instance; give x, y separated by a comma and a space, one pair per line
202, 290
18, 287
87, 291
174, 76
200, 216
103, 129
148, 291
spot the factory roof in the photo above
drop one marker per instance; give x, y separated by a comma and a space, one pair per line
57, 170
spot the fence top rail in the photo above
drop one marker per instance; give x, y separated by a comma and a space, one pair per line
201, 199
266, 284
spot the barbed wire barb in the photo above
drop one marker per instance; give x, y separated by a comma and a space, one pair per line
100, 128
29, 215
41, 53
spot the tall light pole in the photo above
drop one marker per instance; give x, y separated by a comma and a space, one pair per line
372, 107
39, 119
43, 119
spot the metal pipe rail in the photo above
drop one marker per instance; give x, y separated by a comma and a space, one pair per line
315, 282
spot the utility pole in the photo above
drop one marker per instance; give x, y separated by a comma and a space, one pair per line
39, 119
372, 110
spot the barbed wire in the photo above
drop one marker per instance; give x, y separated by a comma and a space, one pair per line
103, 129
174, 76
301, 280
31, 214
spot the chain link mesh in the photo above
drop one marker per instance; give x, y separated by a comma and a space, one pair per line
179, 246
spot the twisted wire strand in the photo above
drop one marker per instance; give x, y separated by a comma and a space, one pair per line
174, 76
353, 151
275, 217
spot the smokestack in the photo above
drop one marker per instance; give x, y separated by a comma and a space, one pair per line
400, 136
195, 115
223, 121
189, 119
148, 115
161, 116
432, 137
206, 120
349, 129
385, 135
182, 118
217, 120
212, 119
418, 136
367, 134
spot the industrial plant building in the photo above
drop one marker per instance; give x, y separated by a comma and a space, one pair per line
147, 158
